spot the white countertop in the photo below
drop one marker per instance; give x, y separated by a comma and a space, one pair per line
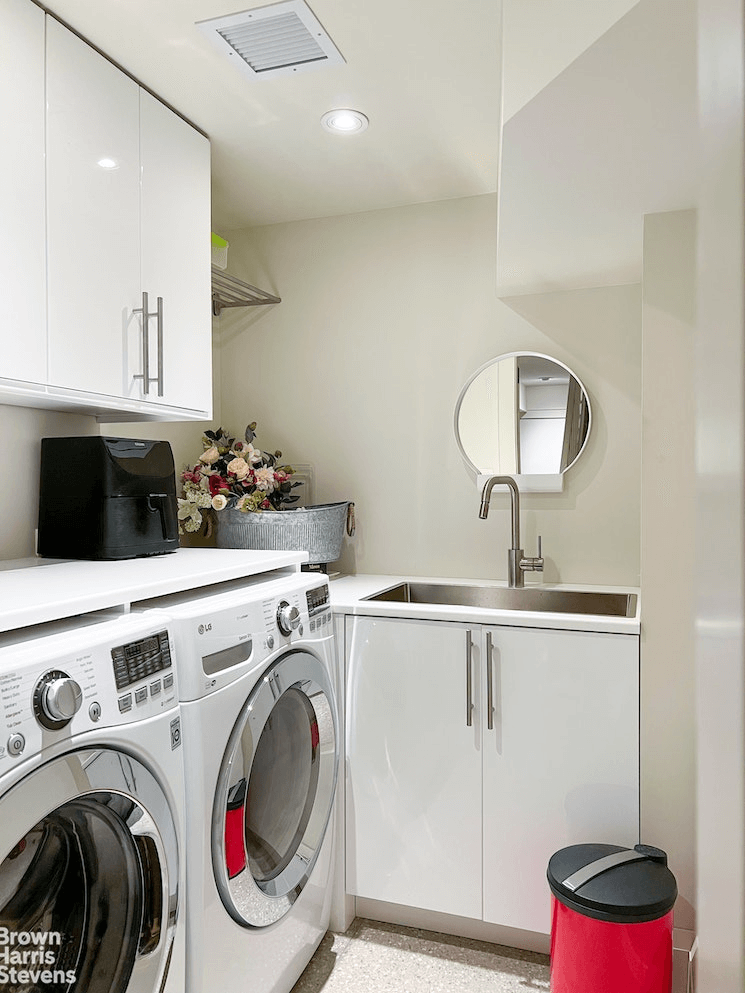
36, 590
348, 593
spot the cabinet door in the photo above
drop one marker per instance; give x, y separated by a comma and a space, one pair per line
561, 764
22, 259
413, 765
93, 203
176, 256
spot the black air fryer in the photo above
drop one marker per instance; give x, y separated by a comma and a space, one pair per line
106, 498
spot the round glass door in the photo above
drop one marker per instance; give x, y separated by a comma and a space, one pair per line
275, 791
88, 870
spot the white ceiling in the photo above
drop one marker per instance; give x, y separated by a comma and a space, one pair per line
426, 73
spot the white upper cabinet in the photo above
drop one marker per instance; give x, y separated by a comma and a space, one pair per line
106, 200
175, 210
93, 195
22, 261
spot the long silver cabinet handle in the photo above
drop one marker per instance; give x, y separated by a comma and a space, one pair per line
469, 681
489, 685
159, 313
145, 374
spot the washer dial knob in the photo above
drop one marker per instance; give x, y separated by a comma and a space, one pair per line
57, 698
288, 618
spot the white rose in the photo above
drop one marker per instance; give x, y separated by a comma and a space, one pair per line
265, 480
238, 467
219, 501
210, 456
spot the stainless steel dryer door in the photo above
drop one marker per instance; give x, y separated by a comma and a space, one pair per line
275, 790
88, 877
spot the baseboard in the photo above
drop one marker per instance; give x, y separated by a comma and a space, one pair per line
464, 927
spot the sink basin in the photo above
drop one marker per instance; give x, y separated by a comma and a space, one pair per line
503, 598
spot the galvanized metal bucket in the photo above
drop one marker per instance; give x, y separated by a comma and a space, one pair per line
319, 530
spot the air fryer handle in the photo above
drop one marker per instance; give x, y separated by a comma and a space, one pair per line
160, 509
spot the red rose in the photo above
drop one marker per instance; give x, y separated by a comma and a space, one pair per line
217, 483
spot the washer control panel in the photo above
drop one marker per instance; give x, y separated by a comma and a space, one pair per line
139, 659
317, 599
302, 613
59, 680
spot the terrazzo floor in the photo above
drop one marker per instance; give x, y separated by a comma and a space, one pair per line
384, 958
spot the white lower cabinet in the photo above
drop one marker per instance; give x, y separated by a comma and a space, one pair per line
460, 817
561, 763
414, 786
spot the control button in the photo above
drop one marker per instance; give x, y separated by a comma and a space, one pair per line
155, 688
288, 618
125, 702
141, 694
168, 681
313, 625
270, 641
94, 711
16, 744
300, 630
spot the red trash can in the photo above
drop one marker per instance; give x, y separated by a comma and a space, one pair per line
611, 920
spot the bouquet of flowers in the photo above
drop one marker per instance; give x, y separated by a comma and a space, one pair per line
233, 473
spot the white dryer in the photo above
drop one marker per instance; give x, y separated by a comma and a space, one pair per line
260, 726
91, 809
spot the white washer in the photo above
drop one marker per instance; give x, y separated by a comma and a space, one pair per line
260, 726
91, 808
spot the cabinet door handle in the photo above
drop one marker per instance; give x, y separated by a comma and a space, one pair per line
489, 685
159, 315
145, 374
469, 681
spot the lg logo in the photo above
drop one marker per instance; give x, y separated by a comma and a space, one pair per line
204, 628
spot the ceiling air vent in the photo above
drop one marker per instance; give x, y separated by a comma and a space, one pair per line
276, 40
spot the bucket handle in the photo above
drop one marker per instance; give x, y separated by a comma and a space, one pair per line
351, 521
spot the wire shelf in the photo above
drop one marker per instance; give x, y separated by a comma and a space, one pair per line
229, 291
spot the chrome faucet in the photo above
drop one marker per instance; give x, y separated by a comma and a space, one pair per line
517, 563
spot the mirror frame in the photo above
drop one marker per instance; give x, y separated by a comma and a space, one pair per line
474, 470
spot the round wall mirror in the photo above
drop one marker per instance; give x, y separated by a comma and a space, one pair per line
522, 414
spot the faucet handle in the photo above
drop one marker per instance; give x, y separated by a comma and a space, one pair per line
534, 564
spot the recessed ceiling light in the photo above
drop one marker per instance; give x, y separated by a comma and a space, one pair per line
108, 163
344, 121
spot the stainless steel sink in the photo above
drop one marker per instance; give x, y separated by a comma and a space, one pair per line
504, 598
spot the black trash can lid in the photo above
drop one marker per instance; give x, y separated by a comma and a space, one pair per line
610, 883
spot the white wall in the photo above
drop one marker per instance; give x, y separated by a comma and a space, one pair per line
384, 316
668, 734
720, 491
22, 429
